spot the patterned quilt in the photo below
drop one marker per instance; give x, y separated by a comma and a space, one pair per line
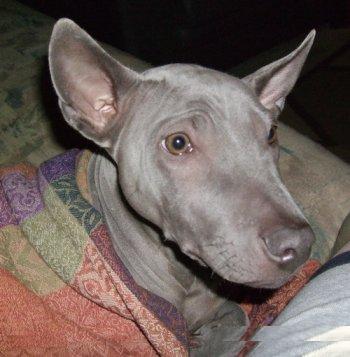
64, 290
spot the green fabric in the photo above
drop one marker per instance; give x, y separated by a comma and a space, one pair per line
23, 43
71, 197
55, 234
19, 258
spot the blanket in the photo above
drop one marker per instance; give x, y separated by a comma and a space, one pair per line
63, 288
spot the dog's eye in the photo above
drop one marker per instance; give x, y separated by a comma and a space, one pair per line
178, 144
272, 137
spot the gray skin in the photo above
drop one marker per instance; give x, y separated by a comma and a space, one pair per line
222, 202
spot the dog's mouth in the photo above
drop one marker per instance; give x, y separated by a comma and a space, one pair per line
257, 283
270, 286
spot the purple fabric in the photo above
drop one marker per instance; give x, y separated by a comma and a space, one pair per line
20, 198
22, 195
42, 182
60, 165
6, 214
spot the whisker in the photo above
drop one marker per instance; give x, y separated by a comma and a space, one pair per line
210, 245
222, 264
131, 194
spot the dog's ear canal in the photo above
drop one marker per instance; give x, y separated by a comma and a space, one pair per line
272, 83
89, 83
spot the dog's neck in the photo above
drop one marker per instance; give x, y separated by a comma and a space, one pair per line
152, 264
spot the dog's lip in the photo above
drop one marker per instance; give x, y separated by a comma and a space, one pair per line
271, 285
197, 258
277, 283
257, 283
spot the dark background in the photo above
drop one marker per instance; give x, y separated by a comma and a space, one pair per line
214, 33
225, 33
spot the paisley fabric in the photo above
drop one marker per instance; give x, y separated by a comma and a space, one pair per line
61, 279
63, 289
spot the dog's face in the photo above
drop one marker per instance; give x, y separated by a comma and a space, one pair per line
196, 151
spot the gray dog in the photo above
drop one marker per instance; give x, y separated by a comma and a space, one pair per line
192, 172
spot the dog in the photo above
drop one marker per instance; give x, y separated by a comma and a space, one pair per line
191, 172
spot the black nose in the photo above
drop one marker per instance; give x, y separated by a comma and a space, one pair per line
289, 247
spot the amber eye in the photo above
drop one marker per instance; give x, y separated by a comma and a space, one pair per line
272, 137
177, 144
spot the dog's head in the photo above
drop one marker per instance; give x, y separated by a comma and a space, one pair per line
196, 151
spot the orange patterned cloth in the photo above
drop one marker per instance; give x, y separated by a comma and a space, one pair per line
63, 289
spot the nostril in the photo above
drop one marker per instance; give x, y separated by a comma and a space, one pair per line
278, 251
288, 255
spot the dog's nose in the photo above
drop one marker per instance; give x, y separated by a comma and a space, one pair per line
289, 247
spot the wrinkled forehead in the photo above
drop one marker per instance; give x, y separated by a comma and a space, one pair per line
185, 87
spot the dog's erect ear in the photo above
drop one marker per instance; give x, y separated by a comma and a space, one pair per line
272, 83
88, 82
